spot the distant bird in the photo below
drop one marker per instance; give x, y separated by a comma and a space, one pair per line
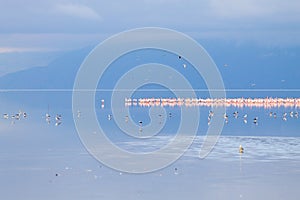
78, 114
57, 120
161, 117
175, 171
245, 118
140, 128
296, 115
236, 114
226, 118
241, 149
255, 120
48, 118
5, 116
284, 116
17, 116
210, 113
102, 103
208, 120
57, 123
271, 114
58, 117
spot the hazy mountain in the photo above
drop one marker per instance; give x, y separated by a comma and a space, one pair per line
58, 74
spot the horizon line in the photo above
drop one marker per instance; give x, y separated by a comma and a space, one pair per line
149, 90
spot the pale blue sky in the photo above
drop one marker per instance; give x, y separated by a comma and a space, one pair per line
49, 26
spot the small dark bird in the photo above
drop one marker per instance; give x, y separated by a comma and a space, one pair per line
255, 120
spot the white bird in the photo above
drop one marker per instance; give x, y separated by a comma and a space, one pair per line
245, 118
271, 114
57, 123
102, 103
48, 118
236, 114
211, 113
5, 116
17, 116
226, 118
58, 117
57, 120
255, 120
284, 116
208, 120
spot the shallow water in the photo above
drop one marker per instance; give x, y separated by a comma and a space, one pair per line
269, 169
42, 161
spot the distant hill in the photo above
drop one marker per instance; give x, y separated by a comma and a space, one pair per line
59, 74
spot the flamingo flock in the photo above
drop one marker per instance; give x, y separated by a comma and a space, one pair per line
266, 103
208, 102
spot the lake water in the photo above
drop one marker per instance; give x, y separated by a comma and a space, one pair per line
44, 161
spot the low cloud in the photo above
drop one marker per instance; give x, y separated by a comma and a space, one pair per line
22, 49
253, 9
79, 11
